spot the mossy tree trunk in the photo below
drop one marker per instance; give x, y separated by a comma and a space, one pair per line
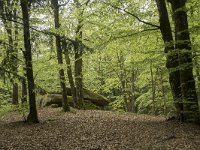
179, 60
172, 61
78, 49
183, 46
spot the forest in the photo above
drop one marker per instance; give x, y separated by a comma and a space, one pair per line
121, 71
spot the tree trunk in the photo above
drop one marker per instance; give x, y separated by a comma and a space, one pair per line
9, 12
78, 74
78, 49
163, 91
172, 62
65, 104
33, 116
14, 57
69, 73
24, 91
183, 45
153, 86
121, 76
132, 92
13, 64
197, 71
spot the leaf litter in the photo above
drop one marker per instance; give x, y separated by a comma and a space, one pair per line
96, 130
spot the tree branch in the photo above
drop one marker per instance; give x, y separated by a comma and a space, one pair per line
133, 15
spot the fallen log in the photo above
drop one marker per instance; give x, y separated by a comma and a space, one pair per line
56, 98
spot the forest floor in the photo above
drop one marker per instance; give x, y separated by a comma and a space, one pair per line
96, 130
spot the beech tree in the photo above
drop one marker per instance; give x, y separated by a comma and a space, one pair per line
67, 47
32, 116
8, 13
179, 60
183, 45
65, 104
78, 50
111, 47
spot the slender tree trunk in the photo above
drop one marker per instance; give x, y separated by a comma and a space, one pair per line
197, 71
100, 73
65, 103
33, 116
13, 64
183, 45
132, 92
78, 74
9, 12
14, 57
163, 92
124, 93
172, 62
24, 91
69, 73
122, 75
153, 85
78, 49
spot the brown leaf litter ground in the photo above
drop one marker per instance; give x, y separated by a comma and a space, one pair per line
96, 130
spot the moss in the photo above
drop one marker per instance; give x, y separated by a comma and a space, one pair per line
49, 99
54, 105
89, 105
95, 98
55, 100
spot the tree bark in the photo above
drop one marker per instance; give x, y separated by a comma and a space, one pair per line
122, 78
65, 104
14, 57
24, 91
78, 49
69, 73
133, 90
153, 86
9, 12
33, 116
183, 45
13, 64
78, 74
172, 61
163, 91
197, 71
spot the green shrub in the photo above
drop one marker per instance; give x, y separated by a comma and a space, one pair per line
5, 108
118, 104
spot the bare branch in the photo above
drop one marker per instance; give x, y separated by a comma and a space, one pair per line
132, 34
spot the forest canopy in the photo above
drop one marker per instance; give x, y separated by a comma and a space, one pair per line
139, 56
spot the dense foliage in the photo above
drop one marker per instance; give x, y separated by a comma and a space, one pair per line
123, 51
